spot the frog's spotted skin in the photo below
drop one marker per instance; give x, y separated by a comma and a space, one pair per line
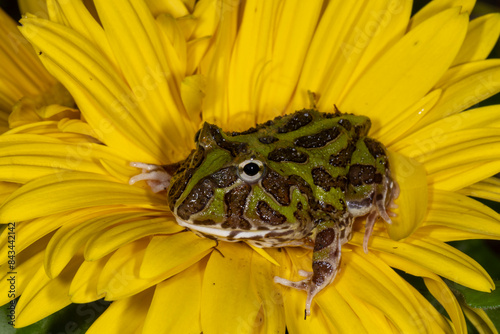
299, 179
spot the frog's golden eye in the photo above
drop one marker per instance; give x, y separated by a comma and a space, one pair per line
251, 170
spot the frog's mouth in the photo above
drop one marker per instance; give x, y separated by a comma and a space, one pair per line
259, 238
217, 231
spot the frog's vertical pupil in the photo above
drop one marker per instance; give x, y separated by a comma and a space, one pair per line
251, 169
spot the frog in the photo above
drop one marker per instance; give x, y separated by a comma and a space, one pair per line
298, 180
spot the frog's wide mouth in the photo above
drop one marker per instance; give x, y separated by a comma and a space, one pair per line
218, 232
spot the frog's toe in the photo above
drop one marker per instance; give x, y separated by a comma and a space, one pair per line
305, 273
155, 176
384, 201
300, 285
306, 284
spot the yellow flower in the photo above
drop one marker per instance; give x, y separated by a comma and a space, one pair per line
147, 73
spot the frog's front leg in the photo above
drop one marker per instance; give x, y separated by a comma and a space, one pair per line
326, 260
155, 176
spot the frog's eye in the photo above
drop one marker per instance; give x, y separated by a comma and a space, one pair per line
251, 170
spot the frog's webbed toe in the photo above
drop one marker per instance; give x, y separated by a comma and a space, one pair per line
327, 253
155, 176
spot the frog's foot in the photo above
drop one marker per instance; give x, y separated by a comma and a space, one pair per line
155, 176
327, 252
306, 285
384, 201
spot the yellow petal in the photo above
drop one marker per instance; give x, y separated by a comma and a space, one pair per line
437, 6
83, 288
176, 8
462, 176
196, 49
22, 160
186, 309
4, 124
472, 128
436, 286
204, 20
22, 73
340, 41
88, 190
26, 265
410, 68
134, 309
120, 276
136, 43
23, 112
44, 128
78, 228
76, 16
190, 4
459, 165
435, 256
117, 236
412, 201
229, 302
274, 76
446, 234
371, 317
76, 126
428, 319
436, 320
270, 294
215, 108
428, 138
252, 51
481, 38
488, 189
168, 255
368, 279
443, 294
450, 131
175, 48
38, 8
30, 231
463, 94
393, 133
339, 313
264, 253
458, 211
120, 171
44, 296
478, 148
462, 71
480, 320
193, 92
382, 25
456, 149
71, 58
7, 188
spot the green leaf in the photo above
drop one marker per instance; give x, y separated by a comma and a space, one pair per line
494, 315
477, 299
75, 318
483, 300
